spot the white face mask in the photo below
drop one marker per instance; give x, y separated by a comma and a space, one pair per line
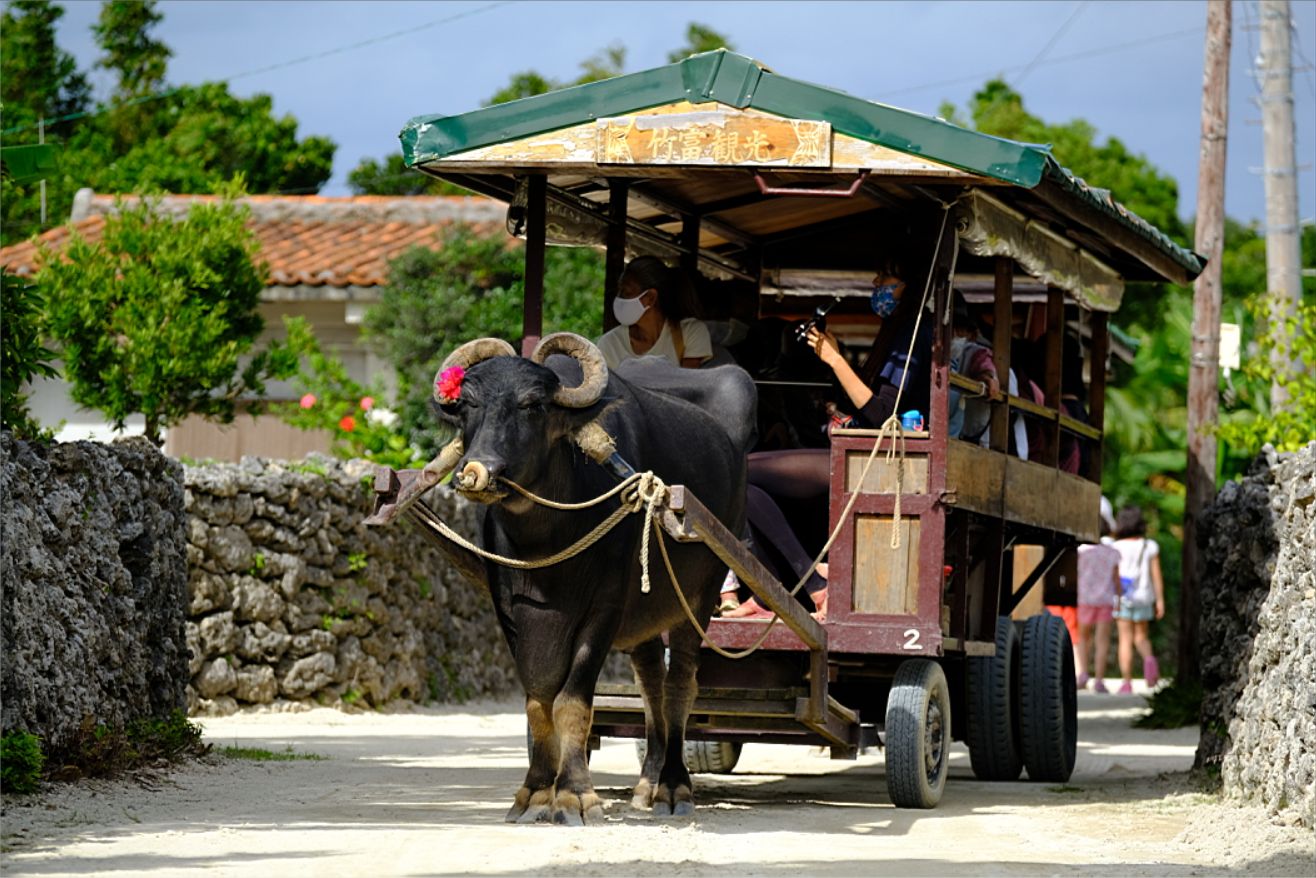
629, 311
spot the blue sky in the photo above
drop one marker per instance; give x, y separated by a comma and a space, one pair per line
1132, 69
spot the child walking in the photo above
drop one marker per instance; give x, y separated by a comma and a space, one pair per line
1141, 598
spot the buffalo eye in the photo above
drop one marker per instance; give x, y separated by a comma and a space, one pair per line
531, 403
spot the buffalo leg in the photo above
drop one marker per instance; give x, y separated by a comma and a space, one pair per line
575, 801
650, 674
534, 800
675, 793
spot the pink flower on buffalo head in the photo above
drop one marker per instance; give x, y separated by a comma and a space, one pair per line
367, 403
307, 401
448, 387
347, 424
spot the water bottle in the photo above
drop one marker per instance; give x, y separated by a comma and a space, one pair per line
912, 421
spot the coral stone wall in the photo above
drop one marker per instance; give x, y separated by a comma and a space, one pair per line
94, 577
1259, 635
294, 601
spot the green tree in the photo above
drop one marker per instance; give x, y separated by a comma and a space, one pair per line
393, 177
124, 34
159, 316
699, 38
38, 80
150, 137
23, 355
467, 287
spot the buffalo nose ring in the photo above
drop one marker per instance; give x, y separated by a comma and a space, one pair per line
473, 477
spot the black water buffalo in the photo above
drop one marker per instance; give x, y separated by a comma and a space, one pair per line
518, 420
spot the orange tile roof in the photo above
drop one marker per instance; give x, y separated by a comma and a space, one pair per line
305, 240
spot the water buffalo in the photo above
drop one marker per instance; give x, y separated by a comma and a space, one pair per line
520, 420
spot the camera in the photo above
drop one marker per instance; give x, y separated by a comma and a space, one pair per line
819, 320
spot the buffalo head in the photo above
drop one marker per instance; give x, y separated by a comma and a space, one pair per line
511, 411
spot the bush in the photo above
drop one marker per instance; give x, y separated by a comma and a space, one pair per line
352, 414
98, 750
1253, 423
22, 354
21, 761
159, 317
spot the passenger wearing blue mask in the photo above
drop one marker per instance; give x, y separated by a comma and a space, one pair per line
651, 305
802, 474
873, 387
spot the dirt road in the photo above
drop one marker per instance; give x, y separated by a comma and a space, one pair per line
423, 793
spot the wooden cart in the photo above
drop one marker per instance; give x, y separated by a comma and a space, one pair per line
763, 185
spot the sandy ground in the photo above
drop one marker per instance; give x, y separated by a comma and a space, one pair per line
423, 793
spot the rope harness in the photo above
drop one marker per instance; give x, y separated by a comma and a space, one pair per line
645, 492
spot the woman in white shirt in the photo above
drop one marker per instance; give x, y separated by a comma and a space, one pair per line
1141, 597
651, 309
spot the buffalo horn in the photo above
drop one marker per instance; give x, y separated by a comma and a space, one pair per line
474, 352
594, 370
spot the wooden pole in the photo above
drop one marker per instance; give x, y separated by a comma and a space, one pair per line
1204, 371
1283, 256
1001, 315
618, 197
532, 320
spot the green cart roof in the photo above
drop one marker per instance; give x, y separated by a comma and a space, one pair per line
742, 82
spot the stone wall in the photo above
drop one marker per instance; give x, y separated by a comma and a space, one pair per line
1259, 635
294, 601
94, 585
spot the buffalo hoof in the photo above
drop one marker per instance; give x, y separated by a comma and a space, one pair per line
570, 809
530, 807
642, 797
673, 803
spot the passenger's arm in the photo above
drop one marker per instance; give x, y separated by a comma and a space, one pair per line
825, 346
1159, 585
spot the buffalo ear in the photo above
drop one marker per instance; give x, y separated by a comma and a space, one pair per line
568, 420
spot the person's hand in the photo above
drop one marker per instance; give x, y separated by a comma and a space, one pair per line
824, 344
993, 384
1160, 610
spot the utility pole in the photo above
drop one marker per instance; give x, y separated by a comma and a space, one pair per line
1283, 256
1204, 372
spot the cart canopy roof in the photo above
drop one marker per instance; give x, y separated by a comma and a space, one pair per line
717, 136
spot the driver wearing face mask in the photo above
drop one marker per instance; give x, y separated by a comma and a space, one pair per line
650, 310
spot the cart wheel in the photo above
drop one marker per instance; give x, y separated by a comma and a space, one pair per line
1048, 702
993, 729
703, 757
917, 734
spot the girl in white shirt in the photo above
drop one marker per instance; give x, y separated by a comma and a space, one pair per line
1141, 595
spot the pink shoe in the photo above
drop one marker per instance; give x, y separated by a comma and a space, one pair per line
1126, 688
1083, 681
1099, 685
1151, 671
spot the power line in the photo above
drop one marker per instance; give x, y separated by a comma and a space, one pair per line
313, 57
1060, 32
1076, 56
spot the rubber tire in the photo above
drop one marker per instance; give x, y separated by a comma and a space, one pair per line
1048, 700
993, 727
704, 757
918, 684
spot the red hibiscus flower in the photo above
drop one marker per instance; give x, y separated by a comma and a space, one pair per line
347, 424
448, 387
